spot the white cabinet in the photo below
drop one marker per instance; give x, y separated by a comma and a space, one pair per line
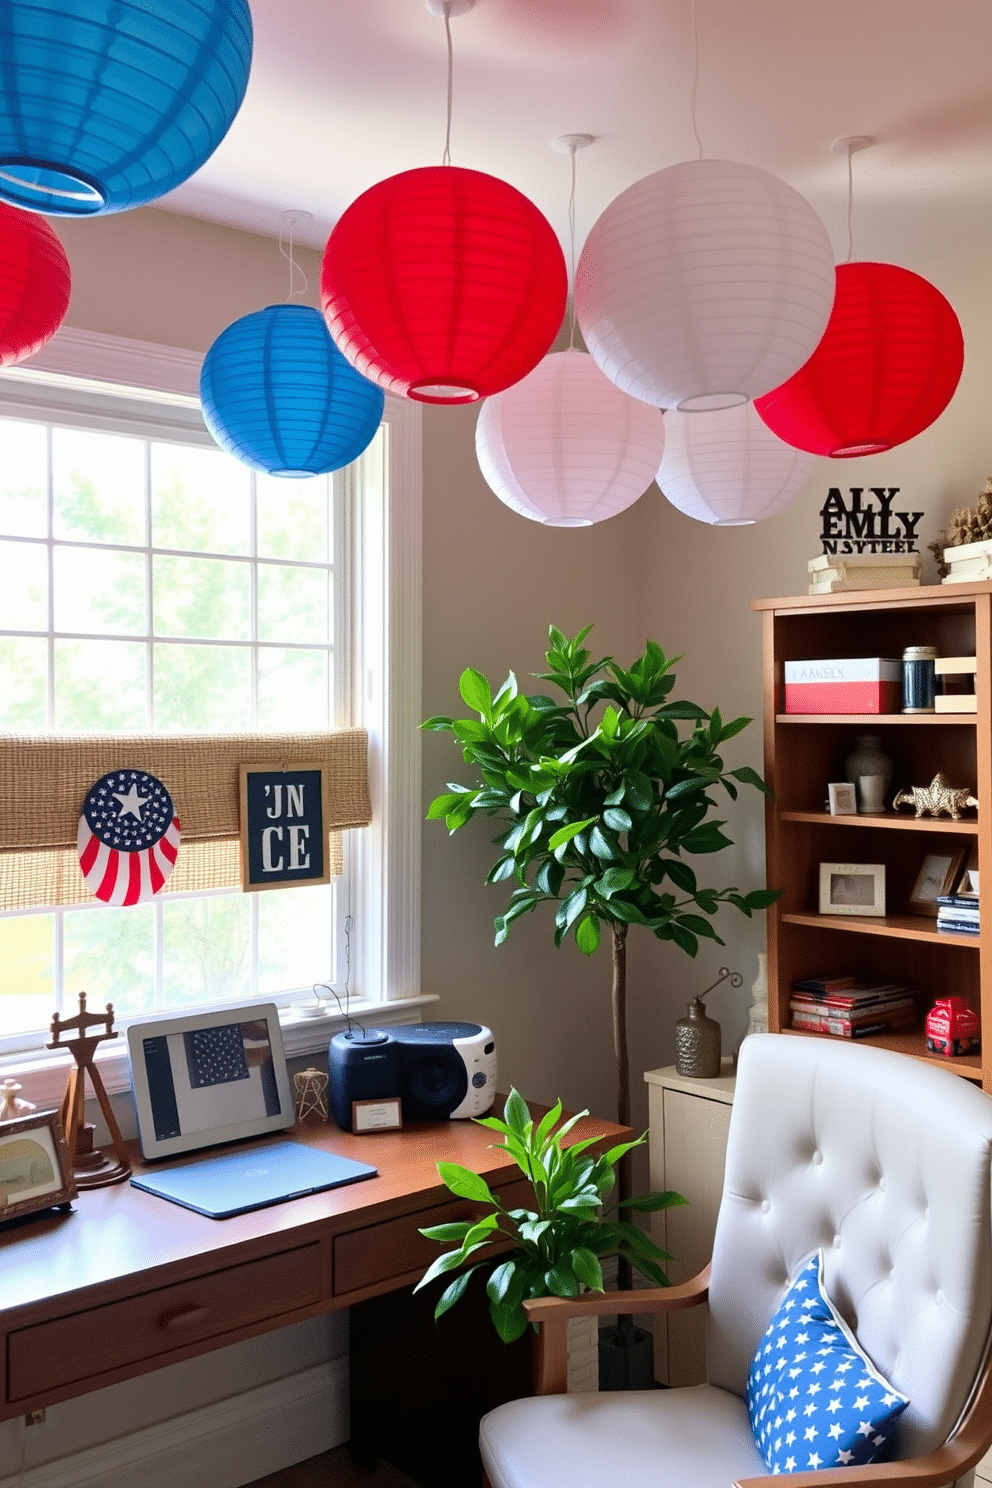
687, 1143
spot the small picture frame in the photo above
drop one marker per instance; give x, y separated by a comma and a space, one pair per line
376, 1115
284, 814
842, 798
34, 1165
852, 889
939, 873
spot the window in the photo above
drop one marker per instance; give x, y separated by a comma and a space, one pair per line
151, 583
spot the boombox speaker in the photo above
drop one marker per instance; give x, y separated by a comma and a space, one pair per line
439, 1070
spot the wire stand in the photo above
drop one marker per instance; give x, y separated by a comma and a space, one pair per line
91, 1167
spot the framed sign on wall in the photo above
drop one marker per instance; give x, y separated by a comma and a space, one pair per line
283, 831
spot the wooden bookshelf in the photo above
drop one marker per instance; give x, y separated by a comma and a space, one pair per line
803, 752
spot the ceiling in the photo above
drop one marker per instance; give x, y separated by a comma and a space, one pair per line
346, 92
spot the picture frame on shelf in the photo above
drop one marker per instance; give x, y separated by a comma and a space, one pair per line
842, 798
939, 873
34, 1165
852, 889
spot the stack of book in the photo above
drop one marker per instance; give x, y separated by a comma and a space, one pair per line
958, 913
847, 1008
968, 562
833, 574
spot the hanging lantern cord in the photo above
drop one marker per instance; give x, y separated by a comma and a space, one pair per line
289, 221
571, 255
446, 157
847, 145
695, 82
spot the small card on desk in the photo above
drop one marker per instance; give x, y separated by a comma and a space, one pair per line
223, 1184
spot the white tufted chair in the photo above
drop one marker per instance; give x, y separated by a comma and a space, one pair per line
882, 1160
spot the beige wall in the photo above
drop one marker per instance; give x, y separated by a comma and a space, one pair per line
492, 584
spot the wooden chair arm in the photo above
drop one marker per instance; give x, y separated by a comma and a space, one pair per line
553, 1313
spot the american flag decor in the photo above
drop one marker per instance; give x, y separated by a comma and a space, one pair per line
128, 837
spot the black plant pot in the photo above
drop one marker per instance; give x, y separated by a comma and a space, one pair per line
626, 1358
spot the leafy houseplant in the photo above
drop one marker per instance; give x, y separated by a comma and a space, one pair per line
557, 1245
598, 815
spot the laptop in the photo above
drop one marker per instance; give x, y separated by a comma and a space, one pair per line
223, 1184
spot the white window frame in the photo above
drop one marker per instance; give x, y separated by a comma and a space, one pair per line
378, 541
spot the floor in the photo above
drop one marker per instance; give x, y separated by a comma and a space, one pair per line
334, 1469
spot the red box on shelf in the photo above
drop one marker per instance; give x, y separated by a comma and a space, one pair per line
860, 684
953, 1027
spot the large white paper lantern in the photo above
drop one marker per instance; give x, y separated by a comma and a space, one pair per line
704, 285
727, 468
563, 446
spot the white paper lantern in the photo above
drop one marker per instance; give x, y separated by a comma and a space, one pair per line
727, 468
704, 285
563, 446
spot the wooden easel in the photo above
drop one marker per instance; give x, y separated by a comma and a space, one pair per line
91, 1168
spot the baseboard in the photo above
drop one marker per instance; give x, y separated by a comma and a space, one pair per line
224, 1445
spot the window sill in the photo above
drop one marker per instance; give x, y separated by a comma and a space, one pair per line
43, 1075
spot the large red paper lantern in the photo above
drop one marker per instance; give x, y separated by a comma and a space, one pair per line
887, 366
443, 284
34, 284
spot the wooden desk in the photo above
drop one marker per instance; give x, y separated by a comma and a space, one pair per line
128, 1282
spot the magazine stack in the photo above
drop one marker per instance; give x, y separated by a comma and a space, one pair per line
958, 913
843, 1006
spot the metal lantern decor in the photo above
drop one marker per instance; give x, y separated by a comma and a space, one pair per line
700, 284
443, 285
887, 366
565, 447
726, 468
108, 104
34, 284
277, 394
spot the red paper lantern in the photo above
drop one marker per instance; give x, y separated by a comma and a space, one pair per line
34, 284
443, 284
887, 366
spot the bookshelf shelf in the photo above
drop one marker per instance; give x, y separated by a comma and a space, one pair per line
805, 752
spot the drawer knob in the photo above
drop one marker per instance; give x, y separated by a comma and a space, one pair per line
182, 1316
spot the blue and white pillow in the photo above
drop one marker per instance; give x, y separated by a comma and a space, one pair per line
814, 1397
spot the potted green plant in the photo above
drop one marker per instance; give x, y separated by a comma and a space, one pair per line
558, 1243
601, 800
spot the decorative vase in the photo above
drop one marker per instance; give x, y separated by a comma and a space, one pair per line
868, 758
757, 1013
697, 1043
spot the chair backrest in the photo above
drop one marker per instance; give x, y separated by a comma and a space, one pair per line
884, 1162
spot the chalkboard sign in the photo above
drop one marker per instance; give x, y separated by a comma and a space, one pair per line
283, 837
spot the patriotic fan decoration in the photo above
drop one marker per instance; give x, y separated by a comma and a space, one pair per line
128, 837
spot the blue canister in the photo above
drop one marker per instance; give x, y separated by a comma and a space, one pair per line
918, 679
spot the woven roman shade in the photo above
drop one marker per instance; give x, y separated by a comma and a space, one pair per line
45, 779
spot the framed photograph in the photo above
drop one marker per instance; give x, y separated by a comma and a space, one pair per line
843, 801
939, 872
852, 889
283, 831
34, 1165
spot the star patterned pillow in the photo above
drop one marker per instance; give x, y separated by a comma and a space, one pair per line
814, 1397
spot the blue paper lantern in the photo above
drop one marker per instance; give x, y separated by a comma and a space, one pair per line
277, 394
108, 104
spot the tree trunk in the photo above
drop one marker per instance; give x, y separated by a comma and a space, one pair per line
625, 1176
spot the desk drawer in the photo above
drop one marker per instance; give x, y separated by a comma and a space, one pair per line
119, 1334
363, 1258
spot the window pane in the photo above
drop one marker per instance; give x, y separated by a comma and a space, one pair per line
100, 687
110, 955
27, 983
293, 517
293, 690
202, 597
207, 946
205, 689
23, 691
24, 479
294, 938
292, 604
201, 500
99, 486
24, 586
99, 591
